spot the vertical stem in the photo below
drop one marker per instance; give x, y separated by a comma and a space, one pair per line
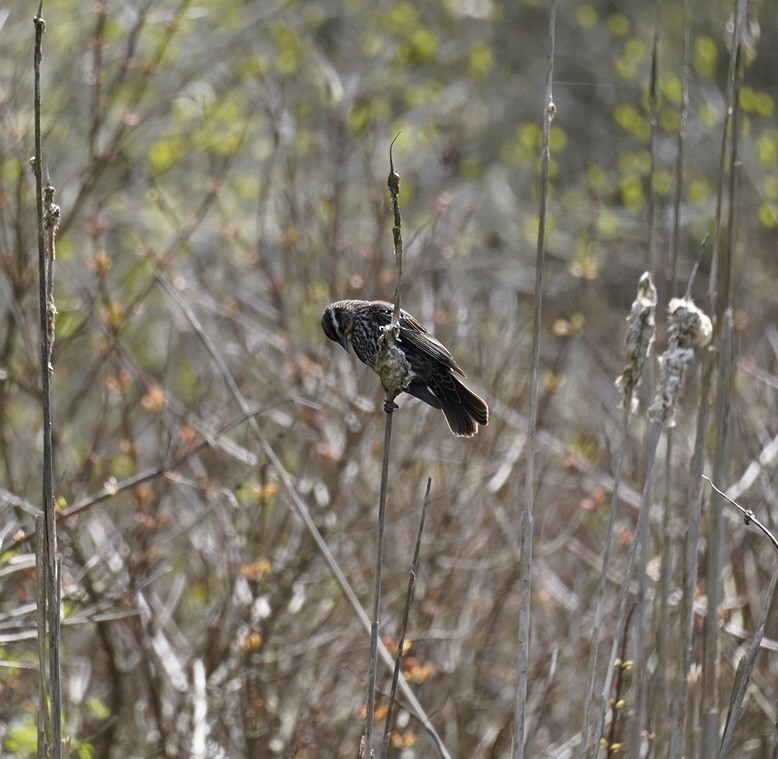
682, 691
721, 281
653, 108
654, 433
390, 408
404, 627
600, 596
683, 118
519, 726
394, 191
51, 629
44, 711
663, 691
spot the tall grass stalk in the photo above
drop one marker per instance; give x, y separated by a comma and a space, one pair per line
721, 305
519, 725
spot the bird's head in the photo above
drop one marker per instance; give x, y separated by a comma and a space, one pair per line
337, 323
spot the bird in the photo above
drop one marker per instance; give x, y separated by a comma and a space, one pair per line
433, 371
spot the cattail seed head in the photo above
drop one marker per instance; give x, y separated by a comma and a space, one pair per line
687, 326
640, 335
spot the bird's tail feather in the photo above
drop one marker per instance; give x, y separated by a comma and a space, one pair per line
464, 410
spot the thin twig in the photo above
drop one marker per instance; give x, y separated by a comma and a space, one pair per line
696, 267
404, 627
519, 726
113, 488
747, 514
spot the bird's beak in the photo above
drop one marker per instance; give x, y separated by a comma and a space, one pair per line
344, 342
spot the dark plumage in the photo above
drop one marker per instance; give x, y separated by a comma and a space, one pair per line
434, 380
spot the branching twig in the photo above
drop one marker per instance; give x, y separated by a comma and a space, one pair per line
747, 514
113, 488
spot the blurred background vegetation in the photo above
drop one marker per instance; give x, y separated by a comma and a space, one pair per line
221, 169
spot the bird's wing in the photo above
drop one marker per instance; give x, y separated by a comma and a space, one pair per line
414, 334
425, 343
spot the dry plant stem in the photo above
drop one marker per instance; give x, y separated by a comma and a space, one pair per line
723, 284
538, 715
744, 672
681, 690
394, 191
601, 587
44, 713
676, 703
653, 108
390, 408
655, 432
51, 694
519, 726
683, 118
720, 275
714, 542
662, 685
618, 699
662, 690
390, 336
641, 647
404, 627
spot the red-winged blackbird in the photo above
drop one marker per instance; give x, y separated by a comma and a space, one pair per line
434, 371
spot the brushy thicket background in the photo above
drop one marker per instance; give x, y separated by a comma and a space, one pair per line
221, 169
